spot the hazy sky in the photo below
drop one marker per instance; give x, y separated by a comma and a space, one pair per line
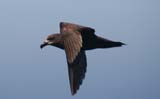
129, 72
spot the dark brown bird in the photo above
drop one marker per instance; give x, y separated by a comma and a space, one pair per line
75, 39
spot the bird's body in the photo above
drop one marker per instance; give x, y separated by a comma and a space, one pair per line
93, 43
75, 39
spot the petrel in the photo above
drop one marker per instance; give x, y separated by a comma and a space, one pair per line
75, 40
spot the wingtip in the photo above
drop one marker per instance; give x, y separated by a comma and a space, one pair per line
73, 92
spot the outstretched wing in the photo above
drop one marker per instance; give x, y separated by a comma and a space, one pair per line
77, 70
76, 58
74, 36
82, 29
72, 44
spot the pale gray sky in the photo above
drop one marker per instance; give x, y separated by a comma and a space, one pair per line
129, 72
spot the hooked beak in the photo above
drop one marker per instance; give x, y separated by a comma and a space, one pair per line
43, 45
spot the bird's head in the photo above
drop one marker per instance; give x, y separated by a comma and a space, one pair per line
51, 40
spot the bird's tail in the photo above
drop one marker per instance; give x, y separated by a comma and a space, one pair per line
105, 43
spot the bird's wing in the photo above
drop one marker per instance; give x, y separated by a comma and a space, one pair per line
77, 70
82, 29
72, 44
76, 58
72, 40
73, 36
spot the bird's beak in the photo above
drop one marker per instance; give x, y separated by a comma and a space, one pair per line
43, 45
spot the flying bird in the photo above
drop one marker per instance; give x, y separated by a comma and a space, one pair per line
75, 40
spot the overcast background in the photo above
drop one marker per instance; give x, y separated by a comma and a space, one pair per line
128, 72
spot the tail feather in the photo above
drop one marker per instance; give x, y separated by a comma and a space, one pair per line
105, 43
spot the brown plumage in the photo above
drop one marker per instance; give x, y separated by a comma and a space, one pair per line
75, 39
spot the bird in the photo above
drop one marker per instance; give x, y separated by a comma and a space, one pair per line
75, 39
